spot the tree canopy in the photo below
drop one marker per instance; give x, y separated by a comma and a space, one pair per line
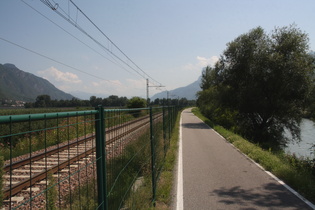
260, 84
111, 101
136, 102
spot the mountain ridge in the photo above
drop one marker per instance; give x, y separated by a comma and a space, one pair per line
189, 92
16, 84
86, 96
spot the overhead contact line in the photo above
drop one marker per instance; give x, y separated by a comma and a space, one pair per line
56, 7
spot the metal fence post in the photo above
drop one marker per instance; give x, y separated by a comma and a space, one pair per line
172, 121
164, 133
169, 122
152, 157
100, 158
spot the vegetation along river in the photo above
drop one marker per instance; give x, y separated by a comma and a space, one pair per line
303, 148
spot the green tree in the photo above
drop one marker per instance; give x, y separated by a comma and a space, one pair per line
260, 84
156, 101
310, 105
94, 101
43, 101
136, 102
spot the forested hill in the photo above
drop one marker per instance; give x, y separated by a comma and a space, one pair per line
16, 84
189, 92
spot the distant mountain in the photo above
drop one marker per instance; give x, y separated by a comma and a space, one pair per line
16, 84
86, 96
188, 92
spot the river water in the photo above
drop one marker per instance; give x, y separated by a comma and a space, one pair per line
303, 148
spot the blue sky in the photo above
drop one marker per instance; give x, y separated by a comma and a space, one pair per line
170, 40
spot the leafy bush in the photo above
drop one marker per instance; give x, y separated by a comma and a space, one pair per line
136, 102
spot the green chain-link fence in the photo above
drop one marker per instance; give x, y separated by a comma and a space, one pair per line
94, 159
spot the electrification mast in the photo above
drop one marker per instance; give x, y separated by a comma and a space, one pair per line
148, 86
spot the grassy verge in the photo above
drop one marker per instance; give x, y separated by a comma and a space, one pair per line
123, 195
1, 180
82, 197
164, 191
27, 137
291, 170
165, 183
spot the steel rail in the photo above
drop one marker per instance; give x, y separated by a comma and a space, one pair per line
25, 161
16, 188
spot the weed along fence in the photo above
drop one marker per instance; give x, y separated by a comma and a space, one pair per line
93, 159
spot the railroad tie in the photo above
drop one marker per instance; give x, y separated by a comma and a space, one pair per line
8, 182
36, 166
14, 200
27, 170
16, 176
34, 189
48, 163
44, 182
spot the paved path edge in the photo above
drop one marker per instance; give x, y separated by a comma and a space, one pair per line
310, 204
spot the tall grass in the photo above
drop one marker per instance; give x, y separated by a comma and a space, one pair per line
125, 169
297, 173
83, 196
40, 110
51, 193
142, 198
134, 163
32, 136
1, 181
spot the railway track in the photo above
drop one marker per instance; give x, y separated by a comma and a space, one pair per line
27, 178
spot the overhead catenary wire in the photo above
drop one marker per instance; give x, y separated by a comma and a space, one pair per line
112, 42
56, 7
73, 36
70, 20
54, 60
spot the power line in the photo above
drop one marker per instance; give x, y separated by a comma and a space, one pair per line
44, 56
74, 23
111, 41
55, 7
116, 63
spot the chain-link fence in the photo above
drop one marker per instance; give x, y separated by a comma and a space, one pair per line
94, 159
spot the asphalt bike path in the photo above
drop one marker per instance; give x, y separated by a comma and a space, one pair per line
212, 174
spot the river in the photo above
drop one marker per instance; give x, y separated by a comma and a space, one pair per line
303, 148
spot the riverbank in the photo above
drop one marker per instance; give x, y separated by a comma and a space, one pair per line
298, 174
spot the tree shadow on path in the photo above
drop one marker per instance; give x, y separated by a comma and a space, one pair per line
200, 125
269, 196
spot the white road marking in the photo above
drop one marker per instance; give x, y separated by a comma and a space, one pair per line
310, 204
180, 199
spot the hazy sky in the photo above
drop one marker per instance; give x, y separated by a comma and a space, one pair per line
170, 41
